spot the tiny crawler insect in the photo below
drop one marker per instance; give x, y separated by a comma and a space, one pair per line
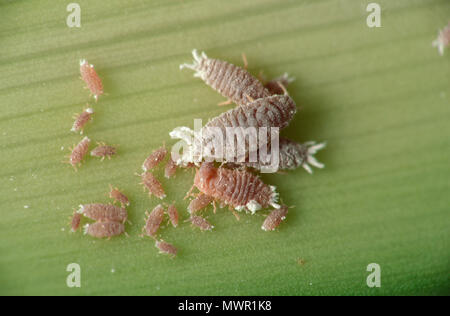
443, 39
153, 221
155, 158
200, 202
291, 156
118, 196
153, 185
90, 77
170, 169
274, 219
166, 248
201, 223
103, 150
237, 188
233, 82
79, 151
81, 120
104, 212
104, 229
173, 214
75, 223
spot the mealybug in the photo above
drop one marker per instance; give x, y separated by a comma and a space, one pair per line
200, 202
229, 80
443, 39
104, 212
90, 77
75, 223
153, 221
104, 229
275, 218
170, 169
79, 151
153, 185
237, 188
166, 248
201, 223
154, 159
81, 120
173, 215
103, 150
118, 196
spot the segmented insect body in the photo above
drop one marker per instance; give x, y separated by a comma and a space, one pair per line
81, 120
173, 215
277, 85
200, 202
118, 196
201, 223
75, 223
153, 185
166, 248
154, 220
154, 159
229, 80
91, 78
79, 152
170, 169
443, 39
237, 188
104, 229
274, 219
103, 150
291, 156
104, 212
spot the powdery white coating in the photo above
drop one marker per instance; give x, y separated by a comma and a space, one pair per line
443, 39
201, 223
118, 196
81, 120
274, 86
154, 159
292, 155
104, 229
104, 212
237, 188
154, 220
153, 185
166, 248
173, 215
103, 150
170, 169
75, 223
91, 78
200, 202
79, 151
274, 219
231, 81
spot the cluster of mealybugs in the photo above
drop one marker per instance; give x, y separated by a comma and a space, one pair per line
109, 218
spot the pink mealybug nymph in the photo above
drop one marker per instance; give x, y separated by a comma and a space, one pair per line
91, 78
81, 120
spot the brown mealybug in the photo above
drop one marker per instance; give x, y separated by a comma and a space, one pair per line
75, 223
103, 150
173, 214
201, 223
170, 169
79, 151
104, 212
81, 120
166, 248
199, 202
153, 221
238, 188
90, 77
443, 39
275, 218
155, 158
231, 81
118, 196
153, 185
104, 229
